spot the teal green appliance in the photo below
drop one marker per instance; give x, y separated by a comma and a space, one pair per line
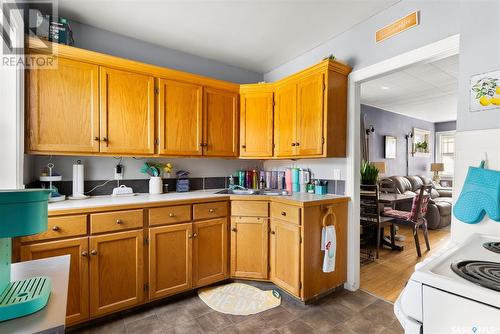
22, 212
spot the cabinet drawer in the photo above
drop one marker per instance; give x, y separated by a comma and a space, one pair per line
250, 208
61, 227
116, 221
209, 210
285, 212
169, 215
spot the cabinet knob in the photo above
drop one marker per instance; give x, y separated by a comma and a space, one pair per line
243, 146
96, 138
283, 213
293, 144
85, 253
119, 222
171, 214
190, 236
104, 139
195, 235
297, 144
211, 210
55, 228
93, 252
272, 232
234, 229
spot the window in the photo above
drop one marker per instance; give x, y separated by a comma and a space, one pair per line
445, 151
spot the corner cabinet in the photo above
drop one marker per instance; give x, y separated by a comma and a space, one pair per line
256, 121
63, 108
220, 128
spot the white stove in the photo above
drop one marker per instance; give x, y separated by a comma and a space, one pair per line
455, 292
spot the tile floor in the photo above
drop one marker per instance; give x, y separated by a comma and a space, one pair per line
342, 312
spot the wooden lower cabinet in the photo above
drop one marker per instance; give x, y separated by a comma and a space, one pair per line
249, 247
170, 259
77, 309
210, 246
116, 271
284, 255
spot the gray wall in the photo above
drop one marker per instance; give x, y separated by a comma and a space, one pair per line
391, 124
357, 47
446, 126
95, 39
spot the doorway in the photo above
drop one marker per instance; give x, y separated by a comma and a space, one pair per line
433, 52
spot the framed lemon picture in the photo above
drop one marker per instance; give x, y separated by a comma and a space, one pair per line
485, 91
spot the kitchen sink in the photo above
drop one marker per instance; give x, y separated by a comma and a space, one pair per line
267, 192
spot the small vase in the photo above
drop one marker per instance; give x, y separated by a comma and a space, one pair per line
155, 185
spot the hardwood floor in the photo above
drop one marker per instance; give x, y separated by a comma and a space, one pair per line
387, 276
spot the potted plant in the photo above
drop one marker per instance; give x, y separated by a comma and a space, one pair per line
369, 173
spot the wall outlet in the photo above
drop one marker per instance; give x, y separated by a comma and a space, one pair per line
119, 170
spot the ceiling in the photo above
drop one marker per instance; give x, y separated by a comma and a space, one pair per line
256, 35
425, 91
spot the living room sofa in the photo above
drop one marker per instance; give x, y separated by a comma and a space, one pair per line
439, 209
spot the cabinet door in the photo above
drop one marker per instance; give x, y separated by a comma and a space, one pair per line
256, 125
285, 255
116, 271
63, 108
310, 115
169, 259
77, 309
179, 118
210, 251
127, 112
220, 130
285, 120
249, 251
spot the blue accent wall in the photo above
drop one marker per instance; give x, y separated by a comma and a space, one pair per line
391, 124
446, 126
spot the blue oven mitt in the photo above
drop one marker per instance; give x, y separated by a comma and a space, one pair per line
480, 195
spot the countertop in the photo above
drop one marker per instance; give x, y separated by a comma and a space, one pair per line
95, 203
52, 317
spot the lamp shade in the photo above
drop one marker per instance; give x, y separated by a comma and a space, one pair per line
380, 165
23, 212
437, 167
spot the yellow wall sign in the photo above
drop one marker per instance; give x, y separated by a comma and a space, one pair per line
407, 22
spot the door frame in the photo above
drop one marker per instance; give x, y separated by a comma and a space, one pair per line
431, 52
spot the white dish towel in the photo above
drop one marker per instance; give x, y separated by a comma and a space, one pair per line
329, 246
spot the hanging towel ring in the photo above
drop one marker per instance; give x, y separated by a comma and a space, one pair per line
329, 212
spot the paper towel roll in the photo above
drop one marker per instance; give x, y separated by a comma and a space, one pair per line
78, 177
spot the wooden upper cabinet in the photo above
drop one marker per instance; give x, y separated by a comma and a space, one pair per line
179, 118
285, 120
210, 246
285, 255
256, 124
249, 247
170, 259
220, 129
116, 271
127, 112
63, 108
77, 309
310, 115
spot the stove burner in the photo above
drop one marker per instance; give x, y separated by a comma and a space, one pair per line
492, 246
484, 273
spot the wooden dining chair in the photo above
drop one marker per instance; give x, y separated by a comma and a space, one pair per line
415, 217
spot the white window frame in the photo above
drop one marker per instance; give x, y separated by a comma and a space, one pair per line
438, 150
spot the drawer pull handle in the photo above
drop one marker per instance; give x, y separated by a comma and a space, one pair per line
119, 222
211, 210
234, 229
93, 252
171, 214
283, 213
55, 228
85, 253
272, 232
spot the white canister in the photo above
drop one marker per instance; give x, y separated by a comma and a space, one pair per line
155, 185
